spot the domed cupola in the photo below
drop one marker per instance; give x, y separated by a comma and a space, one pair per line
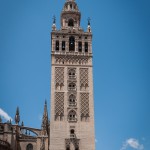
70, 15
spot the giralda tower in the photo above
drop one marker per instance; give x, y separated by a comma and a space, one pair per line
72, 103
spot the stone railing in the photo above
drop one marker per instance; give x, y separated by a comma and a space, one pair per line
72, 53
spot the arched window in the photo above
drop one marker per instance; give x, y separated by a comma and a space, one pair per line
57, 46
72, 100
82, 117
70, 23
72, 116
72, 86
72, 131
71, 73
63, 45
87, 117
86, 86
29, 147
61, 117
57, 87
66, 7
70, 6
86, 46
61, 86
71, 43
57, 117
67, 148
80, 46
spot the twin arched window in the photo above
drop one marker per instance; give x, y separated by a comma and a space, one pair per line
72, 116
71, 73
72, 100
72, 86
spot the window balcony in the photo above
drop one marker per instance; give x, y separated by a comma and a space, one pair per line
72, 104
71, 88
72, 77
71, 119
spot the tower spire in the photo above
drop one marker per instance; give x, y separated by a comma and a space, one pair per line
17, 116
45, 120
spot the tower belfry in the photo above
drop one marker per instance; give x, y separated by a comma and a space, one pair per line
72, 103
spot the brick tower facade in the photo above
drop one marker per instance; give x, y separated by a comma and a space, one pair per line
72, 104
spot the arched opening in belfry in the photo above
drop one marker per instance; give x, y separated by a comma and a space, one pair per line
71, 43
71, 23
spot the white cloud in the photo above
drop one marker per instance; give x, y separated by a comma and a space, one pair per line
96, 140
5, 115
133, 143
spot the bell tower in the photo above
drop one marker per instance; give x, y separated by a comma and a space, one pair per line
72, 103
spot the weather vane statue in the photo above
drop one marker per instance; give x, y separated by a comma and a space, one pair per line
89, 21
54, 19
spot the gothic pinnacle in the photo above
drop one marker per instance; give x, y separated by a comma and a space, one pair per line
45, 116
44, 125
22, 124
17, 116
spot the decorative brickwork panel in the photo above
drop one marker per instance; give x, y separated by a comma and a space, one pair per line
59, 105
59, 75
84, 81
59, 78
84, 100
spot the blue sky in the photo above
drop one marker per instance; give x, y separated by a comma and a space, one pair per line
121, 47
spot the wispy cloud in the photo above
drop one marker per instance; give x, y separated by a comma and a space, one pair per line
5, 115
133, 143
